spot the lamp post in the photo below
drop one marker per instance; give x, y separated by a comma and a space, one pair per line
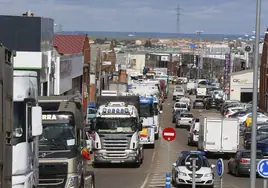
199, 33
255, 98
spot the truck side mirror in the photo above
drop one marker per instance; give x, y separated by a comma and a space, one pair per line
37, 128
140, 127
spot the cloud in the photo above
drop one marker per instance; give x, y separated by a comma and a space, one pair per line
212, 16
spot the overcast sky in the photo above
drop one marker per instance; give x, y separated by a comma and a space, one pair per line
211, 16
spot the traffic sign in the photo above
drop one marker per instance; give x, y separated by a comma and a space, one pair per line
262, 168
169, 134
220, 167
189, 162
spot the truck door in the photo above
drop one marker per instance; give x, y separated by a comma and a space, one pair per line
229, 138
213, 135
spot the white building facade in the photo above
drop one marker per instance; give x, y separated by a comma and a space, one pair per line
241, 85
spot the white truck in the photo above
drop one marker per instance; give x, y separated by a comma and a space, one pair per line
201, 92
27, 127
218, 135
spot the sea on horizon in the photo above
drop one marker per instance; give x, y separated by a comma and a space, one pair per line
155, 35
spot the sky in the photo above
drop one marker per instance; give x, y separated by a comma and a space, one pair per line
210, 16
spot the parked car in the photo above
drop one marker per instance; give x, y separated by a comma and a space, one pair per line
185, 120
232, 110
240, 164
227, 102
193, 134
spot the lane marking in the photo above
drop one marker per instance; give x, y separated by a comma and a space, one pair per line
148, 175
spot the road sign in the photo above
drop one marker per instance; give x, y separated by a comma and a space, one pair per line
247, 48
262, 168
220, 167
189, 162
192, 46
169, 134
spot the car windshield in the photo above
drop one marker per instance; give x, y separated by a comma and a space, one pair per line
115, 125
247, 155
204, 162
187, 115
180, 105
146, 110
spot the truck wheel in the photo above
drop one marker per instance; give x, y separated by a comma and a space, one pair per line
156, 136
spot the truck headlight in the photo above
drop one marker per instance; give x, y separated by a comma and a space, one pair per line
132, 154
181, 173
72, 181
208, 175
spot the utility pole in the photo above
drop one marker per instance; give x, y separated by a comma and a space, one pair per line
255, 97
199, 33
178, 18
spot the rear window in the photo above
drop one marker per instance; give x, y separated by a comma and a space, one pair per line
187, 115
180, 105
247, 155
179, 90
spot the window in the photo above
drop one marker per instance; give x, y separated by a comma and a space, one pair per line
146, 110
180, 105
116, 124
204, 162
187, 115
247, 155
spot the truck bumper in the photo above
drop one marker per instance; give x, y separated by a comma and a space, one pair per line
101, 157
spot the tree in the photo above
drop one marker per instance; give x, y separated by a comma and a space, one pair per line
148, 44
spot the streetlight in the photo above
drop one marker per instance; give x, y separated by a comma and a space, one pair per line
255, 98
199, 33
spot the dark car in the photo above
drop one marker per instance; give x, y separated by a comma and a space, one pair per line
262, 134
226, 103
198, 103
240, 164
211, 102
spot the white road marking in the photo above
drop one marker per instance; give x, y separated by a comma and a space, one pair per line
148, 175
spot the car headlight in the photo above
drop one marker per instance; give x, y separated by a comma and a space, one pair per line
208, 175
182, 173
72, 181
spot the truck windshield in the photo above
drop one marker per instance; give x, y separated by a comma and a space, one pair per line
146, 110
57, 134
116, 125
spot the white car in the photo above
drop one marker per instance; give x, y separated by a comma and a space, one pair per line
178, 92
186, 100
185, 120
182, 106
232, 110
182, 176
193, 134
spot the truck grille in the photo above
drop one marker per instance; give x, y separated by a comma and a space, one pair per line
115, 147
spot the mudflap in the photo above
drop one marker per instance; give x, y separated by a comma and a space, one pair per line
89, 180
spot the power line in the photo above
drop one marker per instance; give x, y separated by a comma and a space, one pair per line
178, 19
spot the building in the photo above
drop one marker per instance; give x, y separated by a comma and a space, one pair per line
74, 65
241, 85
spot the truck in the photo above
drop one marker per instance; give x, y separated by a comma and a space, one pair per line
147, 116
62, 144
201, 92
6, 116
117, 131
27, 127
215, 136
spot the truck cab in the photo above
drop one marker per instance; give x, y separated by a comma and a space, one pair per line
117, 131
60, 163
147, 116
27, 126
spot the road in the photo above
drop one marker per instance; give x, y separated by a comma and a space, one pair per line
152, 171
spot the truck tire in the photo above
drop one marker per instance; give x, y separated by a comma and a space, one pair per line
156, 136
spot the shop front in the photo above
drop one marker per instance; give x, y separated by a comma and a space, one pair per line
241, 86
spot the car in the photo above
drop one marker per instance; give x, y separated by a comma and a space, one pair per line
181, 176
232, 110
210, 102
260, 118
176, 113
262, 133
186, 100
185, 120
198, 104
193, 134
240, 164
226, 103
178, 92
180, 106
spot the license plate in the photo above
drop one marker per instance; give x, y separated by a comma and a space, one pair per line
196, 180
115, 162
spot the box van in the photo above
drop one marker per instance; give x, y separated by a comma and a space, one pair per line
218, 135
